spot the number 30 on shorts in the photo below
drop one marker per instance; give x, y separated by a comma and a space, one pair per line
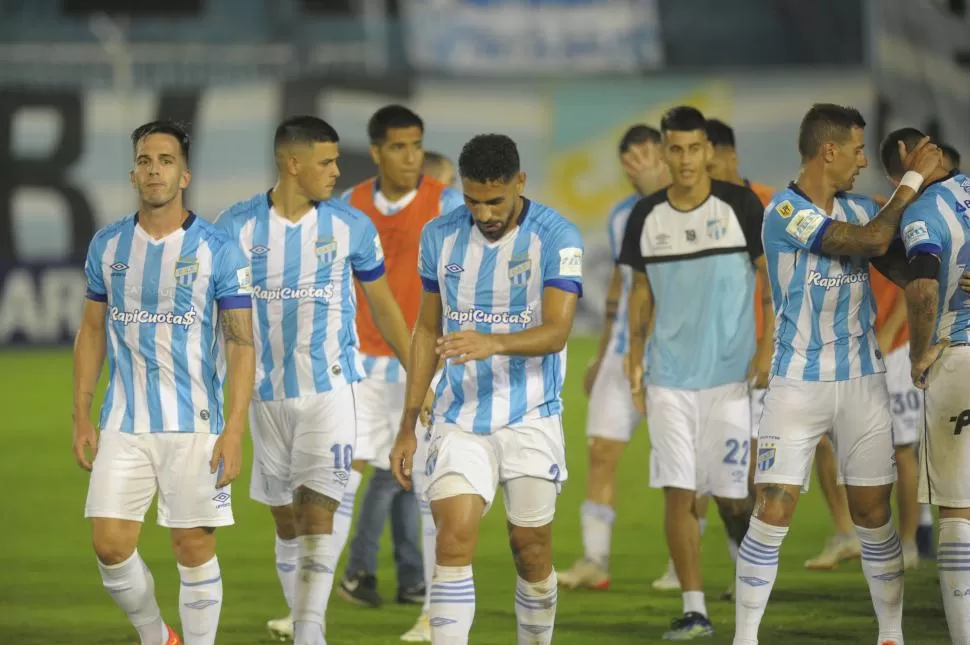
343, 455
737, 452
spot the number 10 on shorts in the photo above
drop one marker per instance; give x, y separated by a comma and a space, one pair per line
343, 456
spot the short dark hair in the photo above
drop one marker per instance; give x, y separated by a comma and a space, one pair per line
889, 150
637, 134
682, 118
391, 117
304, 129
171, 128
489, 157
826, 122
719, 133
951, 153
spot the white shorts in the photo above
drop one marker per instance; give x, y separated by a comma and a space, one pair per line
533, 449
700, 439
905, 401
380, 405
797, 414
419, 463
945, 451
305, 441
757, 409
611, 413
130, 468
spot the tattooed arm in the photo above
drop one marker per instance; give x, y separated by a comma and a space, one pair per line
922, 301
237, 328
640, 316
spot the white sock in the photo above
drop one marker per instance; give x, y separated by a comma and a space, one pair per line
317, 561
757, 568
882, 564
200, 602
345, 513
597, 521
287, 552
535, 610
452, 605
694, 602
733, 550
925, 515
951, 557
428, 535
132, 586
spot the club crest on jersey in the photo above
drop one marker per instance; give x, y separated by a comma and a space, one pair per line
520, 269
326, 251
716, 226
766, 457
186, 270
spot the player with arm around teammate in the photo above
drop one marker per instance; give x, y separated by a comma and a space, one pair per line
827, 370
611, 416
501, 276
158, 281
936, 232
307, 250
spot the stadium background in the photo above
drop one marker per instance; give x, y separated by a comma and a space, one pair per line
564, 78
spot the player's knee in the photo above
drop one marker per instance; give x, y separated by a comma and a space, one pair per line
114, 541
532, 550
869, 505
679, 501
776, 504
313, 511
285, 520
604, 454
454, 543
193, 547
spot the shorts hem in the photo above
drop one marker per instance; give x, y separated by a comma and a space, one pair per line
867, 482
779, 479
92, 514
663, 485
317, 489
948, 503
266, 501
534, 524
593, 433
197, 524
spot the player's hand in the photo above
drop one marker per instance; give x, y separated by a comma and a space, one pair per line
228, 450
592, 369
643, 165
425, 415
85, 438
460, 347
759, 369
965, 282
921, 366
402, 456
924, 158
885, 342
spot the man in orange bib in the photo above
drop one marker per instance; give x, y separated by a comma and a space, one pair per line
400, 200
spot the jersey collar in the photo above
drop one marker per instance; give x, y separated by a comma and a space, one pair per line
185, 225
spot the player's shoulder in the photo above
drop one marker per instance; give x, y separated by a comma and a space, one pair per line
107, 233
787, 202
341, 210
241, 212
858, 200
214, 235
735, 195
548, 222
451, 199
955, 185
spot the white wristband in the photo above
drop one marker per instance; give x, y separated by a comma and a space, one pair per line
912, 179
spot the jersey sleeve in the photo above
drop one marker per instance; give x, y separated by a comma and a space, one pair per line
450, 200
630, 253
232, 278
789, 225
428, 260
562, 261
751, 215
921, 230
94, 272
367, 255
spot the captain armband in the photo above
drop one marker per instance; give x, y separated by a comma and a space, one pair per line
924, 266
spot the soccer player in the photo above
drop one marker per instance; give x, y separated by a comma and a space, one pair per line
612, 417
501, 277
399, 202
702, 347
827, 370
951, 157
157, 281
439, 167
306, 251
936, 232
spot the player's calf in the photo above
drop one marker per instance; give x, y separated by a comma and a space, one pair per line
200, 589
736, 515
954, 544
313, 512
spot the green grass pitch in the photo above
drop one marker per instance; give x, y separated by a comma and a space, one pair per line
50, 591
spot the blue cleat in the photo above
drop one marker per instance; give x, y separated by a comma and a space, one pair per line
689, 626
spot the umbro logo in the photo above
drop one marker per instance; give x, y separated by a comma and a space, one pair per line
753, 581
119, 267
259, 250
454, 268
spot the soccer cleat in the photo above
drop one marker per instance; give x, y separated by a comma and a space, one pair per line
668, 581
173, 638
281, 629
584, 574
688, 627
925, 543
361, 589
837, 548
421, 632
411, 595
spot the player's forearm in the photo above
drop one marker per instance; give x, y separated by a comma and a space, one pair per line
767, 313
241, 378
89, 353
874, 238
921, 304
612, 305
547, 338
420, 373
639, 318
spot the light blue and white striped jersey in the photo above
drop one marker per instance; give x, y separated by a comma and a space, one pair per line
938, 223
303, 294
615, 228
824, 306
496, 288
165, 367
